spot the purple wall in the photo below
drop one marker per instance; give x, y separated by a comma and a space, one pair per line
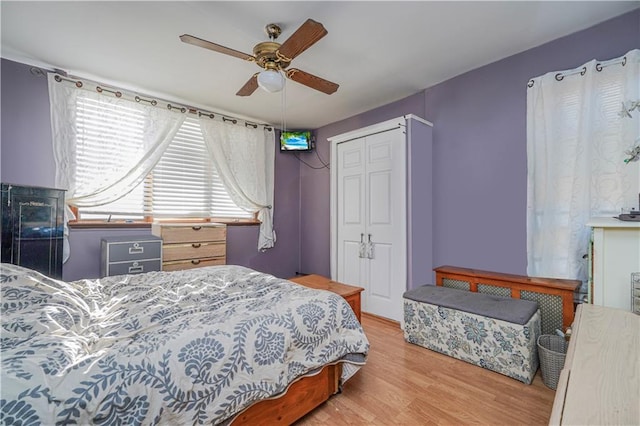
479, 162
26, 153
480, 169
27, 158
479, 153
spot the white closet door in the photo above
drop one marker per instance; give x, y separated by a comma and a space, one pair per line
351, 217
371, 207
386, 211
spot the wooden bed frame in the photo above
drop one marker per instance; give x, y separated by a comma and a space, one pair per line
516, 285
301, 398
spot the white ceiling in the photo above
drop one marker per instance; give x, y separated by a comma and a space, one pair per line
378, 52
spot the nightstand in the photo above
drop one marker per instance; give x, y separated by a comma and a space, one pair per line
350, 293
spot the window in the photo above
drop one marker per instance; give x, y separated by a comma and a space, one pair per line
183, 184
122, 156
576, 147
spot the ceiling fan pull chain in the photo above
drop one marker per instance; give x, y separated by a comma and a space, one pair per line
283, 108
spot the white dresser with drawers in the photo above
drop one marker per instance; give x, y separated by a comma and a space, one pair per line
615, 260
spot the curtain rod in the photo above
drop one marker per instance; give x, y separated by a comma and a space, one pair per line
61, 76
583, 70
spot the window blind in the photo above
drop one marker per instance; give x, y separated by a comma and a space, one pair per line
108, 136
184, 183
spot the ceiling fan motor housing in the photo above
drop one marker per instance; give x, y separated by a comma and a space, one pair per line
266, 56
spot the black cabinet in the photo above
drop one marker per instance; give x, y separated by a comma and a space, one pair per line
33, 228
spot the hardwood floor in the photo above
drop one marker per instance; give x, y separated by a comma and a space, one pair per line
410, 385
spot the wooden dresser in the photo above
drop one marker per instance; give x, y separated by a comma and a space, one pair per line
350, 293
185, 245
600, 381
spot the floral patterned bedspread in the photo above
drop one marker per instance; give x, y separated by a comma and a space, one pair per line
184, 347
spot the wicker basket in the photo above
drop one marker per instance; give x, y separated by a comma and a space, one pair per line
552, 351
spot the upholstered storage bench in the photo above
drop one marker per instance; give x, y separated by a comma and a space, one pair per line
493, 332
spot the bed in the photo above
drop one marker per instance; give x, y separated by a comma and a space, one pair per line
200, 346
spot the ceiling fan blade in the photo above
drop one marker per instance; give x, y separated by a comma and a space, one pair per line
249, 87
304, 37
186, 38
310, 80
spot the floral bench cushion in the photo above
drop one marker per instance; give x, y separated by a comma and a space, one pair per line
511, 310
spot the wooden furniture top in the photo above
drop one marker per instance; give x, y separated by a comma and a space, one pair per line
193, 225
562, 288
323, 283
557, 283
188, 232
600, 381
611, 222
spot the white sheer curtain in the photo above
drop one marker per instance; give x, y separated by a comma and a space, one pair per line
113, 181
244, 157
157, 127
576, 143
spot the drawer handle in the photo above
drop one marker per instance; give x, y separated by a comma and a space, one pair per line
195, 261
135, 269
196, 245
136, 249
196, 228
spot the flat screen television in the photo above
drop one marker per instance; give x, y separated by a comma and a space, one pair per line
296, 141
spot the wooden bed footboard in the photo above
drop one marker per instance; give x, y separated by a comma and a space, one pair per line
554, 296
301, 398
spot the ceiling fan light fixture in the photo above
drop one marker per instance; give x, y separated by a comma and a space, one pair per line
274, 58
271, 80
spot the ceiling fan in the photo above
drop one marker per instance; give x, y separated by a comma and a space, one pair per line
274, 58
